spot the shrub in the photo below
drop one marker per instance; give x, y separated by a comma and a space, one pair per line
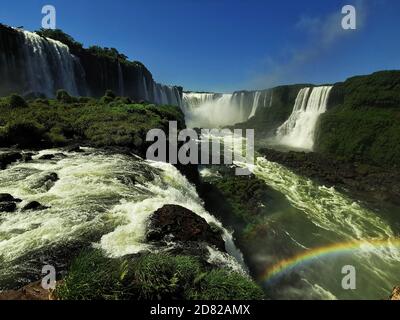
151, 276
225, 285
16, 101
24, 133
64, 96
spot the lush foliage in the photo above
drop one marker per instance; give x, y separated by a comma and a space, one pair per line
75, 46
363, 123
109, 121
151, 276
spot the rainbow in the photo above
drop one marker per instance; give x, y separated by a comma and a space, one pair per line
287, 265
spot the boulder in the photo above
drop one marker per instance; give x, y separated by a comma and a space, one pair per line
8, 158
6, 197
74, 148
34, 205
46, 157
7, 206
173, 222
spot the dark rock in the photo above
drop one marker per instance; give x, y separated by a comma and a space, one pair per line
74, 148
26, 157
34, 205
47, 157
6, 197
181, 224
8, 158
7, 206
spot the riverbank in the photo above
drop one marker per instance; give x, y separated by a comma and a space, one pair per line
372, 184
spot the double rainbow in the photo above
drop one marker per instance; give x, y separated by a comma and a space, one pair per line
286, 265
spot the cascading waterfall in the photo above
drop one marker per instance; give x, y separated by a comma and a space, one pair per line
33, 64
299, 130
213, 110
108, 197
257, 96
163, 94
120, 81
49, 65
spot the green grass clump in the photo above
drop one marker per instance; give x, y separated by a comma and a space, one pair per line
93, 276
225, 285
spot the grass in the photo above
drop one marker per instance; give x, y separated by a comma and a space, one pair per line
92, 276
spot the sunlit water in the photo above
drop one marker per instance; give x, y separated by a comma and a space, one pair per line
99, 194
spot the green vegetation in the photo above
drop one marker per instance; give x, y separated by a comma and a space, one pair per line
109, 121
151, 276
363, 123
16, 101
245, 194
76, 47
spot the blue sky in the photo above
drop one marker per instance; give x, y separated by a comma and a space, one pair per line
226, 45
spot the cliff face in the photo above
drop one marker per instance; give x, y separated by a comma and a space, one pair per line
362, 122
30, 63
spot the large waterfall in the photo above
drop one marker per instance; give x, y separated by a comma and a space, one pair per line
30, 63
213, 110
48, 65
299, 130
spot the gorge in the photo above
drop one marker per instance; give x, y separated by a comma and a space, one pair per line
74, 178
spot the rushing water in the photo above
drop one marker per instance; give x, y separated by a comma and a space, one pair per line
309, 232
107, 195
315, 219
298, 131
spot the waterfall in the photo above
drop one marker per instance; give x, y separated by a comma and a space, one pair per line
256, 99
213, 110
298, 131
120, 81
49, 65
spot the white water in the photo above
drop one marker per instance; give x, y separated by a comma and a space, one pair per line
211, 110
325, 216
120, 81
49, 65
111, 196
299, 130
257, 96
163, 95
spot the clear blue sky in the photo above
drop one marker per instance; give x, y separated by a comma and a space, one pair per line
226, 45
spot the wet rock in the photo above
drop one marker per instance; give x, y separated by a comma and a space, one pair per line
26, 157
8, 158
5, 197
45, 181
7, 206
74, 148
46, 157
173, 222
34, 206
